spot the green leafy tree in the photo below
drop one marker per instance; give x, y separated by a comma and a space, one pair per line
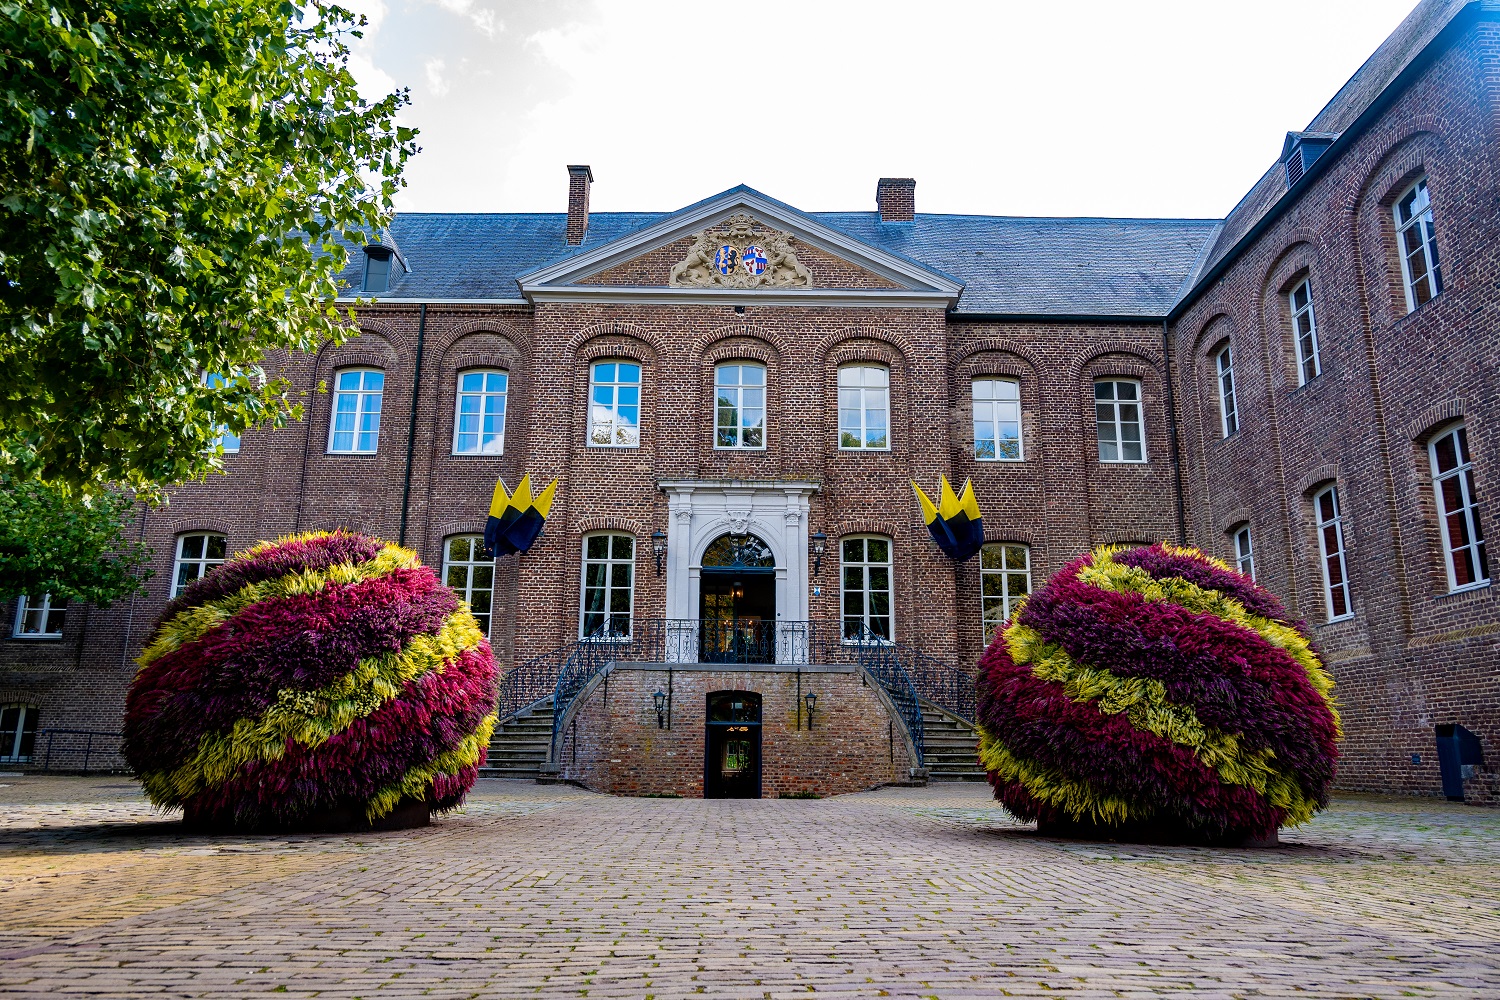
59, 543
178, 179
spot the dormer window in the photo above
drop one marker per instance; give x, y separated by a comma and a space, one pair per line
377, 269
1300, 151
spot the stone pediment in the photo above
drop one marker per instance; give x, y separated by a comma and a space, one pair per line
745, 247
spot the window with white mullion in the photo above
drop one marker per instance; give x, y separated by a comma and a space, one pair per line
615, 405
864, 408
357, 400
866, 584
1117, 413
740, 406
197, 553
997, 420
18, 726
1229, 417
39, 618
1305, 331
1464, 551
1416, 240
608, 586
479, 413
1330, 523
1244, 553
471, 576
1004, 580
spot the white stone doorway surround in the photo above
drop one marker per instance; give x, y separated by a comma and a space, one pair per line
700, 510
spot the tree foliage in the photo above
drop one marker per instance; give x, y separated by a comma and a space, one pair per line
53, 542
177, 181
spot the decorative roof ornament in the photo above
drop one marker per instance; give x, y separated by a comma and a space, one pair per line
739, 253
516, 519
954, 522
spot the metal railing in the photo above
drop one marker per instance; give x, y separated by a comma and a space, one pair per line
883, 660
78, 750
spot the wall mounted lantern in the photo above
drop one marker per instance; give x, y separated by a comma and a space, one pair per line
659, 548
819, 545
812, 703
660, 700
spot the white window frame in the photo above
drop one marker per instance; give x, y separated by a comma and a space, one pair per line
1421, 220
1244, 551
1335, 525
47, 607
1300, 315
1004, 572
865, 392
865, 565
738, 392
12, 754
202, 563
484, 395
362, 396
610, 562
995, 422
614, 423
1462, 476
473, 561
1118, 422
1229, 414
214, 380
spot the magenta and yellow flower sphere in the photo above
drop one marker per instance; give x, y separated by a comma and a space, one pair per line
318, 673
1155, 688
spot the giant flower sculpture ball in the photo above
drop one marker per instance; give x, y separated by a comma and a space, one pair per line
322, 675
1156, 692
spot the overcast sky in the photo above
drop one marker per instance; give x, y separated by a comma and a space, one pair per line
1145, 108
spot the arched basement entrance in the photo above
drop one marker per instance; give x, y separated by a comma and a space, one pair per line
731, 759
737, 601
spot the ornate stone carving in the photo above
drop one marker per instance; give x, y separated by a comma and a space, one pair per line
734, 255
739, 521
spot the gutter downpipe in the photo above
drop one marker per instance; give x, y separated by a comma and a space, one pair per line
1166, 353
411, 429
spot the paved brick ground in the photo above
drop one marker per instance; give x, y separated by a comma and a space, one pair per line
555, 892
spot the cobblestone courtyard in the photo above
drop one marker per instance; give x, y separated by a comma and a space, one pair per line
556, 892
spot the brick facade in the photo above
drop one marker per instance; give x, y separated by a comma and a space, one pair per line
1412, 656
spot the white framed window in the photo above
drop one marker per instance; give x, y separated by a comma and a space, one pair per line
355, 427
39, 619
1458, 509
479, 413
997, 420
18, 725
864, 408
608, 585
197, 553
740, 406
1244, 554
615, 404
1417, 243
1229, 417
1117, 411
1004, 578
471, 576
866, 566
227, 440
1305, 332
1330, 521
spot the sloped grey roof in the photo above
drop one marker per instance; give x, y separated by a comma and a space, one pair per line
1106, 267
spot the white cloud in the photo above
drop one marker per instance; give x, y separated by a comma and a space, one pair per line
482, 18
436, 85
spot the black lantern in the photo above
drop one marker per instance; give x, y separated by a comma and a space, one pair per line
659, 548
819, 544
660, 699
812, 703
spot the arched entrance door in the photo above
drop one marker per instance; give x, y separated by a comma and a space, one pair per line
731, 762
737, 606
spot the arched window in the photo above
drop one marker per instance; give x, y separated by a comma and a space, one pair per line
864, 408
1329, 518
740, 406
470, 575
866, 566
1004, 579
357, 396
608, 585
18, 725
739, 550
615, 404
997, 419
1305, 332
479, 413
1464, 551
1244, 553
197, 553
1417, 243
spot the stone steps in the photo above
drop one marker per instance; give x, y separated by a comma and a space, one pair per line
951, 746
518, 749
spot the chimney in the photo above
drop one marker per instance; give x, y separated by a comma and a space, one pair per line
579, 179
896, 197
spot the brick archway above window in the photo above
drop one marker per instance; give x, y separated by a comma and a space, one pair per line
1422, 426
600, 522
827, 345
613, 328
774, 343
996, 345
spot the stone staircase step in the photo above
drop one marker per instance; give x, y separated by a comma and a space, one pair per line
951, 747
518, 749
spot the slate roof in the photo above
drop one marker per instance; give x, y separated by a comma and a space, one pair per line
1104, 267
